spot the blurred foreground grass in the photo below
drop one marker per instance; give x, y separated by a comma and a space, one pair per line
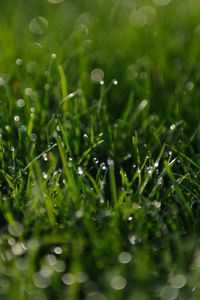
99, 150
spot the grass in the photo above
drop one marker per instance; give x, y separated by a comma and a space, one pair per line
99, 150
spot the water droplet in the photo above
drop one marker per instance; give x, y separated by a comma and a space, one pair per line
55, 1
118, 282
149, 170
95, 160
16, 118
19, 249
47, 87
81, 277
40, 281
97, 75
156, 204
15, 229
31, 67
20, 103
53, 56
189, 86
79, 214
172, 127
156, 164
178, 281
12, 148
33, 137
22, 128
2, 81
68, 279
19, 62
124, 257
143, 104
44, 175
58, 250
85, 136
38, 25
80, 171
110, 162
45, 157
161, 2
28, 91
132, 239
115, 82
59, 266
103, 166
101, 82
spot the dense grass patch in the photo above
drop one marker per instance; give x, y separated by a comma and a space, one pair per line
99, 149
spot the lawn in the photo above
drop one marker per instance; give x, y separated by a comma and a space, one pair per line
99, 149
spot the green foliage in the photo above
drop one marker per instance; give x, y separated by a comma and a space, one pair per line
99, 149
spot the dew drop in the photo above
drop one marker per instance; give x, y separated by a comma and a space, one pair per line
80, 171
44, 175
172, 127
20, 103
124, 257
118, 282
115, 82
16, 119
45, 157
53, 56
